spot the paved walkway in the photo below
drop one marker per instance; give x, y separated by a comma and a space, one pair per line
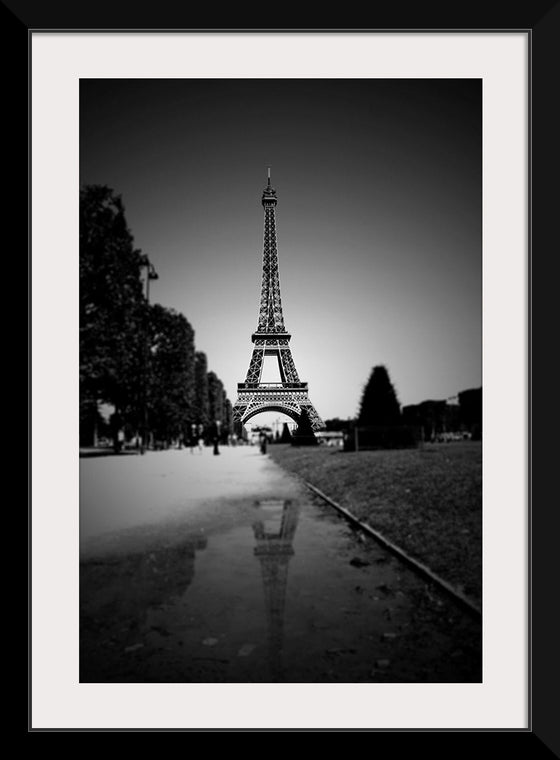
204, 568
119, 493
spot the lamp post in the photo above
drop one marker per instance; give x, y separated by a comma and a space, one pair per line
151, 274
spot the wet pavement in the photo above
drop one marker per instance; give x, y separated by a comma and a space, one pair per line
261, 587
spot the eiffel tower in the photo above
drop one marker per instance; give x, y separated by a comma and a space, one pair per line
290, 396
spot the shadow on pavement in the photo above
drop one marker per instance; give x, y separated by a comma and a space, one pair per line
84, 453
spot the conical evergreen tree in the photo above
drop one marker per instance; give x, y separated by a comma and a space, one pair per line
379, 405
286, 436
304, 435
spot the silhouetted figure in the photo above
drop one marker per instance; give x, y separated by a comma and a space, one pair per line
117, 432
263, 444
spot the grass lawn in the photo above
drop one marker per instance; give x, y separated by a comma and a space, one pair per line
428, 501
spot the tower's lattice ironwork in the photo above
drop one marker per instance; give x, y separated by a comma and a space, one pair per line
290, 395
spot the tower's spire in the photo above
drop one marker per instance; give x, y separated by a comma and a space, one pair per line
269, 193
271, 318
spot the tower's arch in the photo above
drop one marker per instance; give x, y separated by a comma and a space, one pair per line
292, 413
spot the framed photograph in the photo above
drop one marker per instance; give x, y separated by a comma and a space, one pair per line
66, 68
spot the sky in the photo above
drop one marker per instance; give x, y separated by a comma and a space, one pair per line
379, 219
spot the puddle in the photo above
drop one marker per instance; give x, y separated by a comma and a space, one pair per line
285, 595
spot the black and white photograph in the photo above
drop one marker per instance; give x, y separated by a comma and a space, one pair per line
281, 463
280, 380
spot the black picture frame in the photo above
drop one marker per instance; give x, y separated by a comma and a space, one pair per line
541, 21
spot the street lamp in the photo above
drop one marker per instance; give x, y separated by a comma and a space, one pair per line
151, 274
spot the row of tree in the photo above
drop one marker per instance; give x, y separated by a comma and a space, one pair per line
138, 358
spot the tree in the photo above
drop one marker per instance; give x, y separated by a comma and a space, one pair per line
215, 398
227, 422
379, 405
201, 408
112, 307
286, 436
171, 374
470, 406
336, 424
304, 435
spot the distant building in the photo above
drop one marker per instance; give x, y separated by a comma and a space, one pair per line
435, 418
330, 437
444, 421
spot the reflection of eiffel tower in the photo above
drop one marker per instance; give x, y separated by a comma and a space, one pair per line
274, 549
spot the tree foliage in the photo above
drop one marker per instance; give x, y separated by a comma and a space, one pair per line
141, 359
227, 421
170, 372
215, 398
286, 436
379, 405
201, 407
112, 306
470, 406
304, 435
336, 424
